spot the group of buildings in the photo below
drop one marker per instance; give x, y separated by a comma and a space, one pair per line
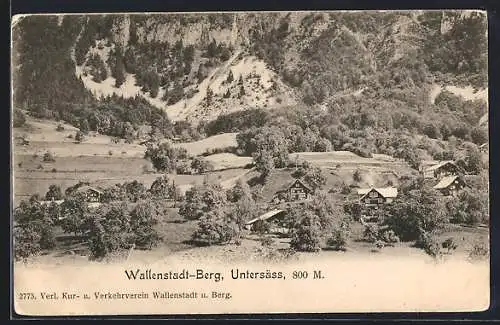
92, 195
445, 177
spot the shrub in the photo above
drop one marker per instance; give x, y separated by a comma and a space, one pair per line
338, 239
201, 199
111, 231
266, 241
143, 220
79, 136
269, 251
370, 233
201, 166
48, 157
389, 236
238, 191
478, 252
54, 193
306, 233
353, 209
60, 128
33, 230
74, 211
345, 189
356, 176
469, 207
26, 241
449, 244
429, 242
379, 244
414, 213
163, 188
18, 119
213, 228
165, 157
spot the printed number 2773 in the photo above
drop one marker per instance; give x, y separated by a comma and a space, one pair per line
26, 296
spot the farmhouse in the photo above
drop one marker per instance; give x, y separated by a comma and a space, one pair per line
450, 185
373, 197
49, 202
92, 194
274, 217
442, 169
297, 190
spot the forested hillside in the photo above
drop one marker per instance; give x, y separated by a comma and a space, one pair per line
358, 81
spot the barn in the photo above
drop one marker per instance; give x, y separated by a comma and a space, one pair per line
274, 217
93, 195
450, 185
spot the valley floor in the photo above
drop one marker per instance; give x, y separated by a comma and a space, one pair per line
177, 232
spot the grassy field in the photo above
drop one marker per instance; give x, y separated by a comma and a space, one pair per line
219, 141
228, 160
103, 163
176, 233
100, 161
98, 170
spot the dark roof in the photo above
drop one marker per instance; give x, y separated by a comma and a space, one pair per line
265, 216
290, 184
387, 192
85, 188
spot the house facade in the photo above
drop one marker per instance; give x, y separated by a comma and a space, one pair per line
92, 194
450, 185
374, 197
443, 169
294, 192
299, 191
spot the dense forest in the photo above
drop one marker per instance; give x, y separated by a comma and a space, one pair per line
363, 79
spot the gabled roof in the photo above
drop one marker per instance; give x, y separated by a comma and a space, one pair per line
85, 188
445, 182
49, 202
290, 184
439, 165
265, 216
387, 192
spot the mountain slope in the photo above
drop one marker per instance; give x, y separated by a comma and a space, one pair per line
382, 70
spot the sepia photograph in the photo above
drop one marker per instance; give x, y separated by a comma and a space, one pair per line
250, 162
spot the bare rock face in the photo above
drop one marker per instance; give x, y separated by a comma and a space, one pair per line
121, 31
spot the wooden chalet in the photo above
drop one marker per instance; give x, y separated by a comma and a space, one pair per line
49, 202
93, 195
450, 185
374, 197
297, 190
442, 169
